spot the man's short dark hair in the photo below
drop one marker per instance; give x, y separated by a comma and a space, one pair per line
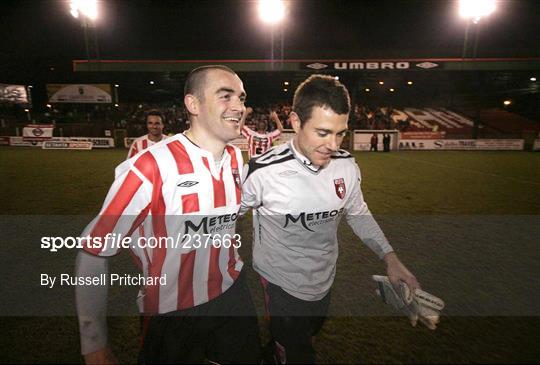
197, 77
320, 91
155, 112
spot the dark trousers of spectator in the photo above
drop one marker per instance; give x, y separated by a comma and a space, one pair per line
373, 147
293, 323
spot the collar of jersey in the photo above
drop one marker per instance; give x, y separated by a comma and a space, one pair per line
213, 168
303, 160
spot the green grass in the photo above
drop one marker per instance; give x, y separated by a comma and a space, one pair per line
466, 223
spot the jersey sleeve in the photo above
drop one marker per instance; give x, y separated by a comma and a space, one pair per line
91, 303
246, 132
133, 150
125, 207
362, 222
251, 190
274, 134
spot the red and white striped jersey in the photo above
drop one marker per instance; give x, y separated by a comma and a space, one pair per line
176, 189
142, 143
259, 143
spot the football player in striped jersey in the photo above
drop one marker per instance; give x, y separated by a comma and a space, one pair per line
154, 124
185, 186
261, 140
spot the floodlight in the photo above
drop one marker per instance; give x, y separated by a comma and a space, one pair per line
409, 82
151, 82
381, 82
507, 102
87, 8
533, 79
271, 11
392, 90
367, 90
116, 85
476, 9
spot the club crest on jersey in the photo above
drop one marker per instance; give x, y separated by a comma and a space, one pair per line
339, 184
236, 176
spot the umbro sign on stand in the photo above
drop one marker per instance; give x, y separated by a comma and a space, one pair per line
372, 65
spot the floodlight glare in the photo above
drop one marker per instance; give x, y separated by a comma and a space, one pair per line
533, 79
476, 9
271, 11
507, 102
116, 85
285, 90
381, 82
286, 83
391, 90
151, 82
367, 90
87, 8
409, 82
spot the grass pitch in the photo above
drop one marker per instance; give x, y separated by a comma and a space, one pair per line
466, 223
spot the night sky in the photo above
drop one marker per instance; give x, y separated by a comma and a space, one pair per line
39, 34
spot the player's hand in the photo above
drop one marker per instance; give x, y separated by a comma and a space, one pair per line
397, 272
103, 356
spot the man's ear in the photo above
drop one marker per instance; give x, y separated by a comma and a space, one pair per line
295, 122
192, 104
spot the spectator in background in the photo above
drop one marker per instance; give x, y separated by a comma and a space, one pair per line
374, 141
386, 142
154, 124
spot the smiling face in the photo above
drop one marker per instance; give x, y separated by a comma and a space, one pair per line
154, 124
220, 108
320, 135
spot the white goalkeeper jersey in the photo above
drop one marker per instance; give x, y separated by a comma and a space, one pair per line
259, 143
297, 209
177, 189
141, 144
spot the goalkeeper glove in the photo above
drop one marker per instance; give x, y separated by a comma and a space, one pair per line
418, 306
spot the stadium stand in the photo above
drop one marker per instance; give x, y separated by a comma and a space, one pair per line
72, 121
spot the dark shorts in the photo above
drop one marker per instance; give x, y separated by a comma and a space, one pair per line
224, 330
293, 323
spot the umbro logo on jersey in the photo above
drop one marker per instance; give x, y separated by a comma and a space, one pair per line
339, 185
187, 184
287, 173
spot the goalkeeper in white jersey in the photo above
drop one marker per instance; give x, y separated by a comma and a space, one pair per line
299, 191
